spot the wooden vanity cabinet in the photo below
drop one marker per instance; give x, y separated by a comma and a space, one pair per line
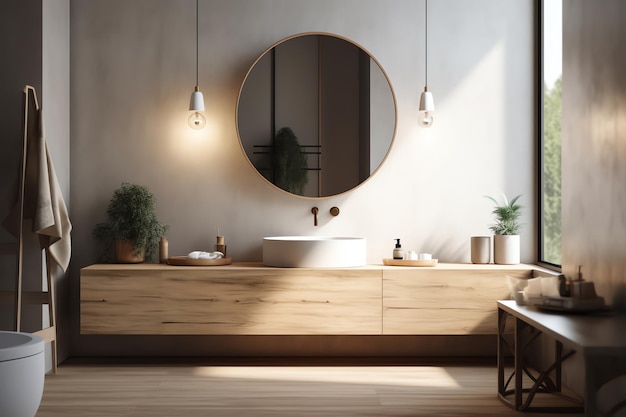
251, 299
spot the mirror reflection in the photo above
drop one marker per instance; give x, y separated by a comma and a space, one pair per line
316, 115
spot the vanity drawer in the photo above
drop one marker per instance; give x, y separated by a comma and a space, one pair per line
428, 301
230, 301
120, 302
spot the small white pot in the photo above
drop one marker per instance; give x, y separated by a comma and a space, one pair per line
506, 249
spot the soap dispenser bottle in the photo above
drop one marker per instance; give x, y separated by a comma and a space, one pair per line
398, 253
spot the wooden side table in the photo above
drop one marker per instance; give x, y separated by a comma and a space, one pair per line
599, 338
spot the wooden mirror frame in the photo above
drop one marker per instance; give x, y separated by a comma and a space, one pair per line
388, 96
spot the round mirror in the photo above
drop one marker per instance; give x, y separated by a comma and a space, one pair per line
316, 115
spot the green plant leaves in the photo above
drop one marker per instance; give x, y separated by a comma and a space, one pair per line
288, 162
132, 216
507, 216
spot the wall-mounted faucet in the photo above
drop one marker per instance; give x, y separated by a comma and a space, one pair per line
315, 211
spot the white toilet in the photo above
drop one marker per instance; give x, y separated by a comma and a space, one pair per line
22, 370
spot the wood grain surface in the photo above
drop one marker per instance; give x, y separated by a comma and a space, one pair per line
166, 390
250, 299
431, 301
233, 301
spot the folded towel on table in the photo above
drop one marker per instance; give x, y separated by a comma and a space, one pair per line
205, 255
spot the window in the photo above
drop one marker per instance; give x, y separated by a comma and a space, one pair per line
550, 58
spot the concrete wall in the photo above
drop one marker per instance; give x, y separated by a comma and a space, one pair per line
594, 154
20, 47
133, 69
594, 149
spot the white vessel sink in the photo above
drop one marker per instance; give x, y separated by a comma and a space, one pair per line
314, 251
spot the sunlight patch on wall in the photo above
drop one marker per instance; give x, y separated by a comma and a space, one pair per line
471, 118
467, 148
606, 122
478, 102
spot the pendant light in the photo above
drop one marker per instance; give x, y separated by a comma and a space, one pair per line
427, 104
196, 104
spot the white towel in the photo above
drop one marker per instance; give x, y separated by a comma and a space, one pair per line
51, 221
205, 255
43, 201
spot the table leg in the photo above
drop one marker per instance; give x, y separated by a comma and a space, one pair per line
502, 316
558, 373
590, 387
518, 363
545, 381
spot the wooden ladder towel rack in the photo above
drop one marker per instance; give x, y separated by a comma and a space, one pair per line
46, 297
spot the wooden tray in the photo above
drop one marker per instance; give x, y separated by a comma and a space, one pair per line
407, 262
185, 261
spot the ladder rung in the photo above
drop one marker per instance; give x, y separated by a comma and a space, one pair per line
48, 334
28, 297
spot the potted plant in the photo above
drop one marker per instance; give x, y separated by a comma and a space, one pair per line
289, 164
506, 242
132, 227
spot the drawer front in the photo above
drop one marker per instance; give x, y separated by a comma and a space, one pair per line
428, 301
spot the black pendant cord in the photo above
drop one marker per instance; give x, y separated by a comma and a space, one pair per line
197, 43
426, 38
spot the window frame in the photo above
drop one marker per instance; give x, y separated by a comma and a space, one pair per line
539, 5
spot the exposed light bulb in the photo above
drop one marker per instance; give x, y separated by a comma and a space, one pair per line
425, 119
196, 120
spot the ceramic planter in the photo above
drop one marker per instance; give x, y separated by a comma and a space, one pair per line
125, 252
480, 249
506, 249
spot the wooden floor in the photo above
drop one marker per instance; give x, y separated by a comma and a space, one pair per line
189, 390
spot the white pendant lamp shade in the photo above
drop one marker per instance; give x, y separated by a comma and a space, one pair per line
196, 103
427, 103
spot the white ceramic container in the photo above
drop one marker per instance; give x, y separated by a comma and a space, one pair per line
22, 370
314, 251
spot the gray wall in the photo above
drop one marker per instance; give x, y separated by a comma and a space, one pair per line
34, 41
594, 153
133, 69
20, 47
